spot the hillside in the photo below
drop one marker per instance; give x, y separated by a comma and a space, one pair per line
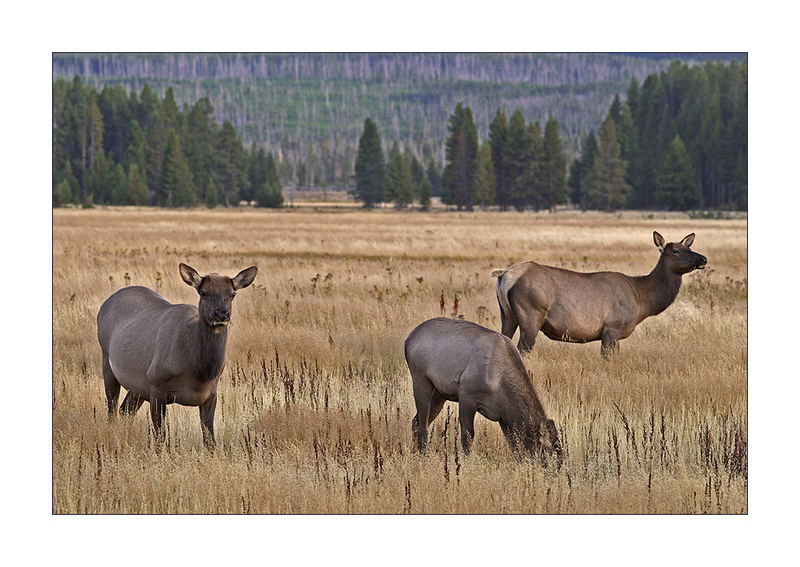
309, 106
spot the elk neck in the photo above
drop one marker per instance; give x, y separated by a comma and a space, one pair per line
211, 343
657, 290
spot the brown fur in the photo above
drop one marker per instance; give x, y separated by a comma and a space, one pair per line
582, 307
165, 353
460, 361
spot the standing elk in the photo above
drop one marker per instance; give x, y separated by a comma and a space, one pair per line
482, 370
581, 307
168, 353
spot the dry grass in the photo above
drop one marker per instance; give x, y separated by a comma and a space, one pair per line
315, 403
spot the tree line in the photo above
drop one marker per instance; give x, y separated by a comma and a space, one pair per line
118, 149
678, 142
517, 166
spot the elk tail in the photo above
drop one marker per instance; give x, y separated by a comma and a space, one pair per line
507, 319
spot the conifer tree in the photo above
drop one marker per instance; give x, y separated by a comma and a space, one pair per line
370, 176
580, 168
606, 188
120, 190
400, 188
98, 185
518, 153
425, 195
176, 188
676, 188
461, 154
484, 187
138, 186
498, 133
61, 194
554, 165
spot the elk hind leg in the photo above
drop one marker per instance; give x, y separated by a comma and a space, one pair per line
609, 342
112, 386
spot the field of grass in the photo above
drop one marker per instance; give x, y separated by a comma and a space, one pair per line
315, 403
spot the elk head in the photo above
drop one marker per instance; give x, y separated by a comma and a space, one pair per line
677, 256
216, 293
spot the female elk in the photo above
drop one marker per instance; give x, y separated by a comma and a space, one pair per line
166, 353
582, 307
480, 369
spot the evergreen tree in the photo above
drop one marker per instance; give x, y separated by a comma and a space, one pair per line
676, 188
369, 166
176, 188
257, 174
461, 155
231, 165
517, 159
120, 190
498, 134
554, 164
62, 194
425, 195
434, 178
99, 184
72, 182
606, 188
400, 188
484, 187
138, 186
580, 168
211, 196
134, 150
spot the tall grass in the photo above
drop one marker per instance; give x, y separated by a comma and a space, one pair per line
315, 403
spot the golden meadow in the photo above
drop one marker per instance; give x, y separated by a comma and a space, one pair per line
315, 402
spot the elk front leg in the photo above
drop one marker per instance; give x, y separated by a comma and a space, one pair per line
466, 418
158, 413
131, 404
609, 343
207, 409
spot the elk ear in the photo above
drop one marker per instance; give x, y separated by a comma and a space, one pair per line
659, 240
245, 277
190, 276
687, 240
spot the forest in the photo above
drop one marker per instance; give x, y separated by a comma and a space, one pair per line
677, 139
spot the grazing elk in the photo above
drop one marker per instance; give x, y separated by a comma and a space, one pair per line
460, 361
168, 353
581, 307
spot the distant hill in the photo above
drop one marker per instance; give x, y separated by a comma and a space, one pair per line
305, 105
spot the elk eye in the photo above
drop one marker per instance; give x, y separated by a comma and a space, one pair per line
674, 250
202, 292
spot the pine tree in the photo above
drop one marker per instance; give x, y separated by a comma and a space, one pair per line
231, 165
72, 182
461, 155
61, 194
400, 188
425, 195
518, 162
498, 134
98, 184
370, 176
434, 178
676, 187
120, 190
606, 188
134, 149
484, 187
212, 197
176, 188
138, 186
579, 169
554, 165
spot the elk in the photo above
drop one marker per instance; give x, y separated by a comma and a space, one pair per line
581, 307
168, 353
459, 361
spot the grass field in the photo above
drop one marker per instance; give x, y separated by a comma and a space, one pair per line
315, 403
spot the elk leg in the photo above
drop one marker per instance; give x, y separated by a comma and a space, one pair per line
207, 409
608, 342
112, 387
466, 418
423, 396
158, 412
529, 325
131, 404
508, 323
